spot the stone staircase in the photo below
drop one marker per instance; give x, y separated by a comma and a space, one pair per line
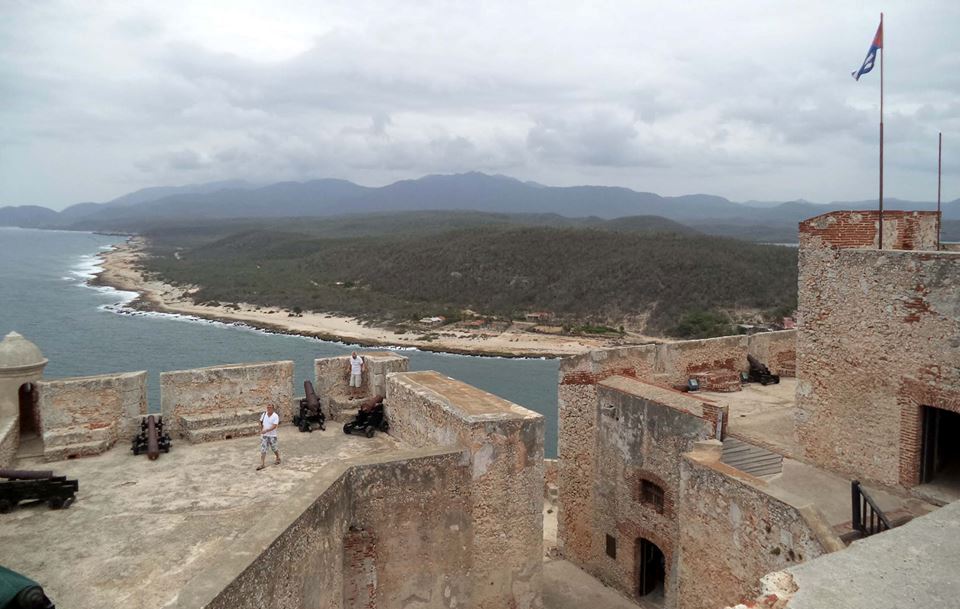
751, 459
196, 428
77, 441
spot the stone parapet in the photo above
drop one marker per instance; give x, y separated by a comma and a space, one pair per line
371, 532
84, 416
332, 379
734, 529
502, 444
214, 397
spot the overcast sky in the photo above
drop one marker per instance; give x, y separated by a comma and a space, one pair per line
748, 100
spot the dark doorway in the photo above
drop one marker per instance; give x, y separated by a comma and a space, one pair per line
29, 414
940, 450
651, 569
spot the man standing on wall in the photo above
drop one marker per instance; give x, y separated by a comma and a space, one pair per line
357, 366
269, 421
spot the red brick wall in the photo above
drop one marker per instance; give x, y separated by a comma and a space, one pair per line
902, 230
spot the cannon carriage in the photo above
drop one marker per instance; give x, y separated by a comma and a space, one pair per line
310, 412
369, 420
17, 486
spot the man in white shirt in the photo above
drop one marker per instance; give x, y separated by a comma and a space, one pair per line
357, 366
269, 421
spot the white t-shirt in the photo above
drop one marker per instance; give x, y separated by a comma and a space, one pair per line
356, 365
266, 420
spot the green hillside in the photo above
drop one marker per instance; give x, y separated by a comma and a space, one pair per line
585, 276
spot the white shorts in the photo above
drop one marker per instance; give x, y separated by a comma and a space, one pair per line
356, 380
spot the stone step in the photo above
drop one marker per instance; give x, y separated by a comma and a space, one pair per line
194, 422
751, 459
222, 432
72, 451
69, 436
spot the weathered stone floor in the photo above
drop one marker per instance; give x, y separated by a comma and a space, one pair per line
140, 529
762, 415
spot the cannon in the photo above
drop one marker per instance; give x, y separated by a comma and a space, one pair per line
759, 373
151, 439
18, 485
310, 412
19, 592
370, 418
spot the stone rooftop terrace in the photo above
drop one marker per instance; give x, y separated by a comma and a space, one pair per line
465, 400
140, 529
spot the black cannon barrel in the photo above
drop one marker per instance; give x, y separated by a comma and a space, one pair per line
153, 444
22, 474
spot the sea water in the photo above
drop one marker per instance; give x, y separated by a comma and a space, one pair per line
82, 329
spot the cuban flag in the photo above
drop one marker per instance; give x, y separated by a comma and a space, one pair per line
871, 54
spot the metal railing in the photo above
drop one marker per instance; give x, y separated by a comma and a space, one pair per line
867, 516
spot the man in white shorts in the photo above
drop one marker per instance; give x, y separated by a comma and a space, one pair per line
357, 366
269, 421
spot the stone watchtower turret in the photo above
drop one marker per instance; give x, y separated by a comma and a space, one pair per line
21, 366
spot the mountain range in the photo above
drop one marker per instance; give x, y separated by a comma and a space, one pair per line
458, 192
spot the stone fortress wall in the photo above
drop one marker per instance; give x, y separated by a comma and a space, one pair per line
87, 415
450, 518
736, 528
224, 401
378, 532
665, 365
879, 338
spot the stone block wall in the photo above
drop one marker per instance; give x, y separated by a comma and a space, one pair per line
667, 364
641, 432
226, 390
733, 530
9, 441
87, 415
879, 338
503, 447
376, 533
332, 382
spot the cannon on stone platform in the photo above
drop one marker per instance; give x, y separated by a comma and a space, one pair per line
151, 439
18, 486
370, 418
759, 373
310, 413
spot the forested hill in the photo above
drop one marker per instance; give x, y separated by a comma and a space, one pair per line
582, 275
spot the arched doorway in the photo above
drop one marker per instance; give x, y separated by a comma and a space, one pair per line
30, 436
651, 570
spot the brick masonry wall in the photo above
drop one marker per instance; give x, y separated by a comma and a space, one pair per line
667, 365
503, 445
733, 532
112, 402
879, 338
226, 389
642, 431
380, 534
902, 230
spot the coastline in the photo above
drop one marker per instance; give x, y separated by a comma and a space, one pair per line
121, 271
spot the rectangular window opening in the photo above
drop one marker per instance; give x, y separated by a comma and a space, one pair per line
611, 546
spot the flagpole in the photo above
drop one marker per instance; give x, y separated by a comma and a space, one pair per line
883, 49
939, 172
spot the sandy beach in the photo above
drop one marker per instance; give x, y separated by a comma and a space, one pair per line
121, 270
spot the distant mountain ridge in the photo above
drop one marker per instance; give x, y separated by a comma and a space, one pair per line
457, 192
